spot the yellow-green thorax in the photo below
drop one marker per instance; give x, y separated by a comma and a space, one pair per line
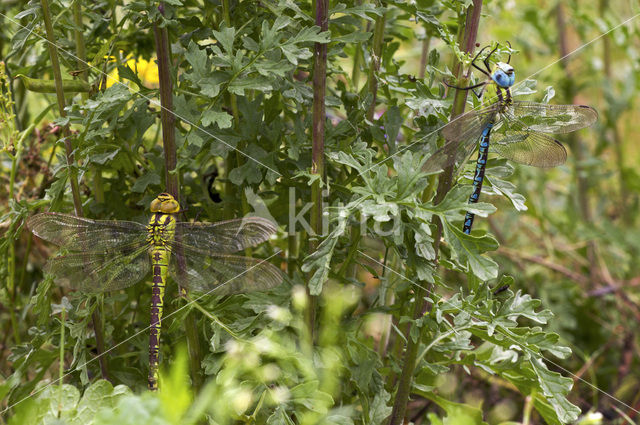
162, 224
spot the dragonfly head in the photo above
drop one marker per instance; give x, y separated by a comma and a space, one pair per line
503, 75
165, 203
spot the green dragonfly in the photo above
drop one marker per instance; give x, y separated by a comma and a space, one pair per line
105, 255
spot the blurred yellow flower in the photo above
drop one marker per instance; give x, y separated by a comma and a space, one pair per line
146, 70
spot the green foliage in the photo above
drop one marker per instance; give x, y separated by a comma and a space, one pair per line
243, 101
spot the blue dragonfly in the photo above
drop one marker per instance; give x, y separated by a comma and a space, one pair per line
519, 129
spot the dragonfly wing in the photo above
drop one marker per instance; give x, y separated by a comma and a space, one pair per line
529, 148
224, 236
101, 271
222, 274
546, 118
83, 234
461, 135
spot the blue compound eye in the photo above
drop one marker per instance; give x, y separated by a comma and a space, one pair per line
504, 75
504, 80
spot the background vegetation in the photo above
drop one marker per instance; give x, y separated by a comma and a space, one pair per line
531, 319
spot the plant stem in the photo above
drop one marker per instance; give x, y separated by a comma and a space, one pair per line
61, 360
372, 83
317, 150
57, 75
376, 59
424, 56
292, 254
73, 178
444, 185
98, 190
579, 149
234, 159
613, 125
80, 46
357, 56
172, 181
11, 261
167, 116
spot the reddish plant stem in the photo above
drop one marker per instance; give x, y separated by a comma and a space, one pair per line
167, 116
172, 180
317, 149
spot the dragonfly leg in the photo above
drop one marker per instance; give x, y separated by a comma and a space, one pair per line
486, 60
473, 62
466, 88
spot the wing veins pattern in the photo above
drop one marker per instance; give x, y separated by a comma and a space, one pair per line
101, 271
223, 236
77, 233
108, 255
223, 274
461, 136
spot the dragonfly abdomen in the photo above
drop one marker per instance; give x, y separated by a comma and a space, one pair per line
157, 296
161, 232
481, 163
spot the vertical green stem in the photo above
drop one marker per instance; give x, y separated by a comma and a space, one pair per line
80, 46
73, 178
444, 185
11, 261
98, 190
57, 75
357, 57
63, 320
424, 56
292, 257
376, 59
172, 180
317, 150
232, 160
610, 122
579, 149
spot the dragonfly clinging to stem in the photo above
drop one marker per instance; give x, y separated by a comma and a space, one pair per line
518, 129
107, 255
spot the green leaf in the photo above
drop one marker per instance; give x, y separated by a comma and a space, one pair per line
353, 37
555, 387
144, 181
320, 261
258, 83
197, 58
467, 249
392, 122
364, 11
457, 413
176, 394
219, 117
455, 204
502, 187
99, 395
127, 73
225, 37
